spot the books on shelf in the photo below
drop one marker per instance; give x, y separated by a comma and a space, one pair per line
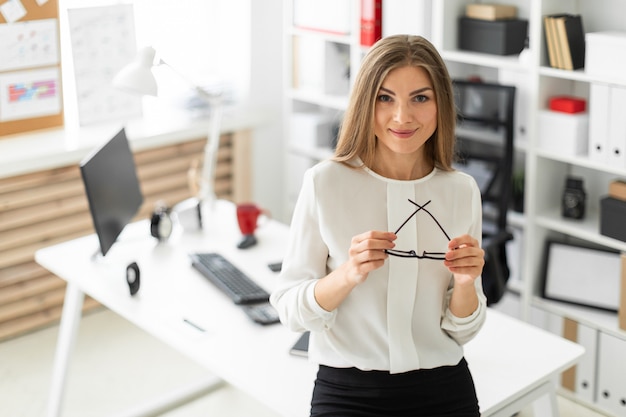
491, 11
565, 41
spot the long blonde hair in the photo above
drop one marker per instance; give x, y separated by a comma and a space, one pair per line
356, 136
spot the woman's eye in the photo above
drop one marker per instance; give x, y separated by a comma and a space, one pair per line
421, 98
385, 98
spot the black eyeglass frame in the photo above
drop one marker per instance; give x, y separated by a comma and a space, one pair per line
411, 253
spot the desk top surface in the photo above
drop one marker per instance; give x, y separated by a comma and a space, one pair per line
508, 358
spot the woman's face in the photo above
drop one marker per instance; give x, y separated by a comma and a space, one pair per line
405, 111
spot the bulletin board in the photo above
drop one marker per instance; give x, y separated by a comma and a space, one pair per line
30, 66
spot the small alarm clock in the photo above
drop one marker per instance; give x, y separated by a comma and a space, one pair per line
161, 222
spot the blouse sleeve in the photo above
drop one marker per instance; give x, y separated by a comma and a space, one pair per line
463, 329
304, 263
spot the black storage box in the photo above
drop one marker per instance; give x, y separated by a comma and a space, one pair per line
613, 218
499, 37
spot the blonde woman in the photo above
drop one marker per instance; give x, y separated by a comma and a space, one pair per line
384, 258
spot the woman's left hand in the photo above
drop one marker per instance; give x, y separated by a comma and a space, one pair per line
465, 259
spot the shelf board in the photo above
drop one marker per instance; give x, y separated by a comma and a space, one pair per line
579, 75
488, 60
587, 229
581, 161
345, 39
319, 98
605, 321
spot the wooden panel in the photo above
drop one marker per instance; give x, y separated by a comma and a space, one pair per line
48, 207
570, 332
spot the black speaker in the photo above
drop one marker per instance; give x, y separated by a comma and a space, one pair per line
132, 278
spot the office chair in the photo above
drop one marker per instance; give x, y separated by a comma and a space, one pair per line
485, 132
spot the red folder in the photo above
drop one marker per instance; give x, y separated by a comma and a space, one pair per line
371, 21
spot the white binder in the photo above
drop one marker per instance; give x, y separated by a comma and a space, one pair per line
617, 127
599, 122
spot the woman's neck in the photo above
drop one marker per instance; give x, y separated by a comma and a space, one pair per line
402, 167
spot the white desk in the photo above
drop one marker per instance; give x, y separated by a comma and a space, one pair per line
512, 362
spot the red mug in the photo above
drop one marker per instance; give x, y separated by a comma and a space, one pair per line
248, 219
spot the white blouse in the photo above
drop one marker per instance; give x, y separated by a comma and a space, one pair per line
398, 319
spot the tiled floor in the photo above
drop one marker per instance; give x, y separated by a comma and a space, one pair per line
116, 365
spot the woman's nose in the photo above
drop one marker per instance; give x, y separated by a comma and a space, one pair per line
401, 113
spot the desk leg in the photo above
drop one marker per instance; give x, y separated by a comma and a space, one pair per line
546, 405
543, 399
68, 329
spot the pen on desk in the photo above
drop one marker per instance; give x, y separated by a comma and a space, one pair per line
195, 326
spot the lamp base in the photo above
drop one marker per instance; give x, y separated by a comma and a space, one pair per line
247, 241
189, 213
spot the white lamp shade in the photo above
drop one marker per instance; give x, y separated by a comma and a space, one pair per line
137, 76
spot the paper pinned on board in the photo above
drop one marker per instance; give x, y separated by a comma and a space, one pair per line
28, 94
29, 44
12, 11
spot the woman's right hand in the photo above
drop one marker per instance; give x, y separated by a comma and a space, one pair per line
367, 253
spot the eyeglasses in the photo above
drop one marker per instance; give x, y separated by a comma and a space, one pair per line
411, 253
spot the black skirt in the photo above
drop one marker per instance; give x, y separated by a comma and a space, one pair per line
348, 392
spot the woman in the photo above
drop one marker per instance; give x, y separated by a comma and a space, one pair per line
384, 258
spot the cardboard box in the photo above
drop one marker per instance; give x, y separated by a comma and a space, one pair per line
491, 11
617, 189
564, 133
498, 37
622, 302
601, 54
612, 215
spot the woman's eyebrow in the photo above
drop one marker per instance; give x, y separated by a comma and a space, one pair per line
418, 91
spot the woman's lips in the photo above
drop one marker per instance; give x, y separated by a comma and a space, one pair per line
403, 134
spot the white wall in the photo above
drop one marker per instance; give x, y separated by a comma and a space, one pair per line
236, 41
266, 75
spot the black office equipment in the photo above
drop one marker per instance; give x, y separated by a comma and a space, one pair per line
485, 149
228, 278
262, 313
499, 37
132, 278
112, 187
275, 266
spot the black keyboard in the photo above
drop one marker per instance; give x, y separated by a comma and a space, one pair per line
228, 278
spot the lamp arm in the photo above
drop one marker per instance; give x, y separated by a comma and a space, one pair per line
209, 166
207, 186
207, 96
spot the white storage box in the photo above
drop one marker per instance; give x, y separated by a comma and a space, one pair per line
564, 133
605, 54
311, 131
321, 67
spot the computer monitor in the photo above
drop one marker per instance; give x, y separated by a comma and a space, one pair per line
112, 188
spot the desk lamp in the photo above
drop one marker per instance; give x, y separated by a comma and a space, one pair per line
137, 77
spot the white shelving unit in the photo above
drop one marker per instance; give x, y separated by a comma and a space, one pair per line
545, 172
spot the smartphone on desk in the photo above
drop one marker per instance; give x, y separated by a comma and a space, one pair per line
275, 266
301, 347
